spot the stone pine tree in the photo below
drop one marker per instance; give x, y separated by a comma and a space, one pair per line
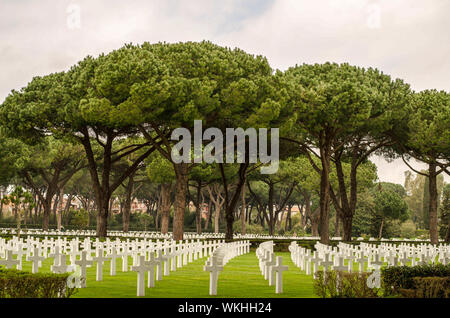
329, 104
389, 205
53, 162
90, 103
387, 115
217, 85
428, 141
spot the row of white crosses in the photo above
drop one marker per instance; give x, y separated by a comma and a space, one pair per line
406, 254
187, 235
220, 257
271, 268
170, 255
151, 234
373, 255
326, 256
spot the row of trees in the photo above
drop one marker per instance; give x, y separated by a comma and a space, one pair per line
114, 115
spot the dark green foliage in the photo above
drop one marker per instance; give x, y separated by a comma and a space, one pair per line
79, 218
19, 284
444, 212
428, 287
337, 284
402, 277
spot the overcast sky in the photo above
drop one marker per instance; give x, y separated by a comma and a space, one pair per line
408, 39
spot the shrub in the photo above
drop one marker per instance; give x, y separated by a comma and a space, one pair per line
423, 234
428, 287
408, 229
80, 218
349, 285
297, 229
402, 277
249, 228
19, 284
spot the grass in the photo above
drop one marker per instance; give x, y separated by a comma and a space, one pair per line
241, 278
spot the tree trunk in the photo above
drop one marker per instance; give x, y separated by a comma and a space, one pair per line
208, 218
47, 205
181, 173
165, 207
324, 197
60, 209
243, 209
347, 222
381, 229
315, 218
230, 205
217, 210
102, 216
288, 223
261, 216
127, 204
198, 209
55, 209
67, 210
336, 226
433, 204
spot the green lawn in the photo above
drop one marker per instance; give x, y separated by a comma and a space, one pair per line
241, 278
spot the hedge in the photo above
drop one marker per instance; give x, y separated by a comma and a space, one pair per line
428, 287
20, 284
398, 278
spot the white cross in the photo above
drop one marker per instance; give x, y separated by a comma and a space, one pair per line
159, 265
361, 260
62, 267
56, 256
279, 268
376, 261
83, 263
340, 266
268, 274
166, 257
316, 260
326, 263
36, 259
405, 259
173, 257
99, 259
113, 256
350, 258
10, 261
393, 259
423, 260
141, 268
19, 252
151, 269
214, 267
125, 254
269, 261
